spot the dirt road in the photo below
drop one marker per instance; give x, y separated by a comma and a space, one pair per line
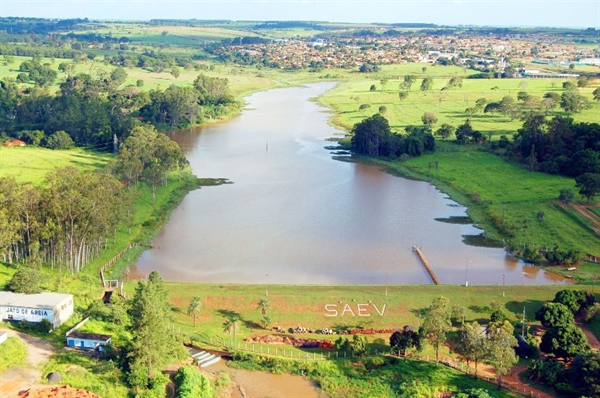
29, 374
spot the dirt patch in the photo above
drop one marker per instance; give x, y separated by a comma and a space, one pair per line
591, 338
292, 341
28, 375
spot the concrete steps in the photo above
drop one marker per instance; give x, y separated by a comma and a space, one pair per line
203, 358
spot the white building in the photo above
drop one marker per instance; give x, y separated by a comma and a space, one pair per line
88, 341
55, 307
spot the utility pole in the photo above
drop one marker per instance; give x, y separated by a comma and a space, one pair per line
386, 283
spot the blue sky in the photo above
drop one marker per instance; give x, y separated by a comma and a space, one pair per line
572, 13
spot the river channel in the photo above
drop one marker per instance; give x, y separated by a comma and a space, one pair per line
295, 215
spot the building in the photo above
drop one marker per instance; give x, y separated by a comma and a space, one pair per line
55, 307
88, 341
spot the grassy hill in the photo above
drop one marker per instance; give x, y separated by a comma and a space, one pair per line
30, 164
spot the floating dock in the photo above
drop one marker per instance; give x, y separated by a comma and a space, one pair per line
428, 268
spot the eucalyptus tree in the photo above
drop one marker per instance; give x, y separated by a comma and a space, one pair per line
500, 348
472, 343
82, 210
436, 323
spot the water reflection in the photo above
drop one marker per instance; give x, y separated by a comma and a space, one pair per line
302, 217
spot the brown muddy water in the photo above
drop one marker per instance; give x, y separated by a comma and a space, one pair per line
254, 384
295, 215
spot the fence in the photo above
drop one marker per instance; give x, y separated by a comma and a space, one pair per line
112, 261
290, 353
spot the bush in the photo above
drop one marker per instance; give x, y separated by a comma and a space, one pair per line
59, 140
26, 280
223, 380
192, 384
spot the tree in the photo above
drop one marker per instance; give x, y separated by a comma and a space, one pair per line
191, 383
500, 345
445, 131
436, 323
596, 94
569, 86
118, 76
566, 196
358, 345
402, 95
59, 140
382, 109
429, 118
153, 342
407, 82
585, 373
368, 68
373, 88
194, 308
555, 314
263, 306
175, 72
371, 136
564, 342
589, 185
583, 82
480, 104
492, 107
573, 102
574, 300
405, 339
231, 326
472, 344
455, 82
522, 96
26, 280
427, 84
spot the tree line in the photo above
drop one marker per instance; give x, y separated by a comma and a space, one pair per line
92, 111
373, 137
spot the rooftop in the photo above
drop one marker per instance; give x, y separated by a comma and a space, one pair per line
41, 300
89, 336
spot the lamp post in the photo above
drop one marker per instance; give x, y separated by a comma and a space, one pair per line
386, 284
467, 274
267, 285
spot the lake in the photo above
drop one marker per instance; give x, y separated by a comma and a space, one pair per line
295, 215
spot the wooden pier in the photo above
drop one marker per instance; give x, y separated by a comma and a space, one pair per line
432, 274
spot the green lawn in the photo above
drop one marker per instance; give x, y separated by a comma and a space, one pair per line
13, 352
293, 306
31, 164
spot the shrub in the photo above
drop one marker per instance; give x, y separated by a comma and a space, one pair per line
26, 280
192, 384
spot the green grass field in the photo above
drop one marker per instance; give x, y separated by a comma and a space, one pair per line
31, 164
448, 105
13, 352
293, 306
